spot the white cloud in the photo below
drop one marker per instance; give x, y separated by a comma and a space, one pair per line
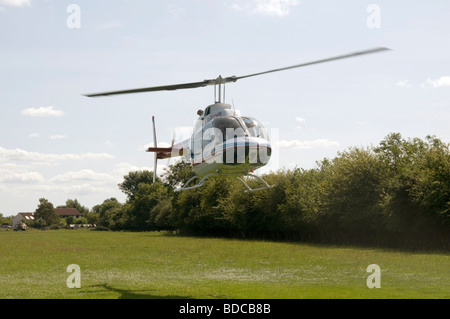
297, 144
109, 143
265, 7
42, 112
123, 168
7, 155
23, 182
108, 25
404, 83
16, 3
24, 177
182, 132
86, 175
34, 135
13, 173
299, 120
443, 81
58, 136
274, 7
237, 7
86, 189
174, 10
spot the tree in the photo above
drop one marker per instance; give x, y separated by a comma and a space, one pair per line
354, 191
394, 192
176, 175
46, 211
417, 193
110, 213
5, 220
304, 198
431, 187
151, 207
131, 182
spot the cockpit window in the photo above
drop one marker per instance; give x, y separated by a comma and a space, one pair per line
223, 123
255, 128
229, 127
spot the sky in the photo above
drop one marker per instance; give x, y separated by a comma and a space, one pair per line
57, 144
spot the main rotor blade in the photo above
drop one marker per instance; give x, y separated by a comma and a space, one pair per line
155, 88
219, 80
345, 56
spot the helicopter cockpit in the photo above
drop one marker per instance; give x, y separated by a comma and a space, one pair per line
229, 122
228, 127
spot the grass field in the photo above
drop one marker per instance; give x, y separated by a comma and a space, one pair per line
33, 264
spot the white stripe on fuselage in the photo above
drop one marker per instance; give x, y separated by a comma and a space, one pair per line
234, 150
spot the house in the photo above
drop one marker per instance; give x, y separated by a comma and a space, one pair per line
61, 212
22, 216
66, 212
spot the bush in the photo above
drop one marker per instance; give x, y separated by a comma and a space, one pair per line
396, 192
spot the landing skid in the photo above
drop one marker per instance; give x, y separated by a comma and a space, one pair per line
249, 189
204, 178
200, 183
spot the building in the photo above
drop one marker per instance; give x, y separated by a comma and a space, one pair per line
61, 212
66, 212
22, 216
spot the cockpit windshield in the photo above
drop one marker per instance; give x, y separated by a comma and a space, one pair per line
223, 123
255, 128
221, 129
229, 126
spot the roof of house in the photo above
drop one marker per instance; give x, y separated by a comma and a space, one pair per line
67, 212
26, 214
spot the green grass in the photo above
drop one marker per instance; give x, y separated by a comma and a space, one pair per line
157, 265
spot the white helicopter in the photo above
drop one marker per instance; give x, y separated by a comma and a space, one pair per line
223, 143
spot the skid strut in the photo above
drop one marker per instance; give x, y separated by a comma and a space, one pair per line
249, 189
204, 178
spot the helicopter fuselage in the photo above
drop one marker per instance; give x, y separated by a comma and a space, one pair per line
228, 144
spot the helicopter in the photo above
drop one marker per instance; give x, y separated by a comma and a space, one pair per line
223, 143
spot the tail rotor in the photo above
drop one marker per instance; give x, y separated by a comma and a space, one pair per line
156, 154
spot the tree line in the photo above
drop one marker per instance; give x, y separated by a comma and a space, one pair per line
394, 194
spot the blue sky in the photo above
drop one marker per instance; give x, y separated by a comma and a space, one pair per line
57, 144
